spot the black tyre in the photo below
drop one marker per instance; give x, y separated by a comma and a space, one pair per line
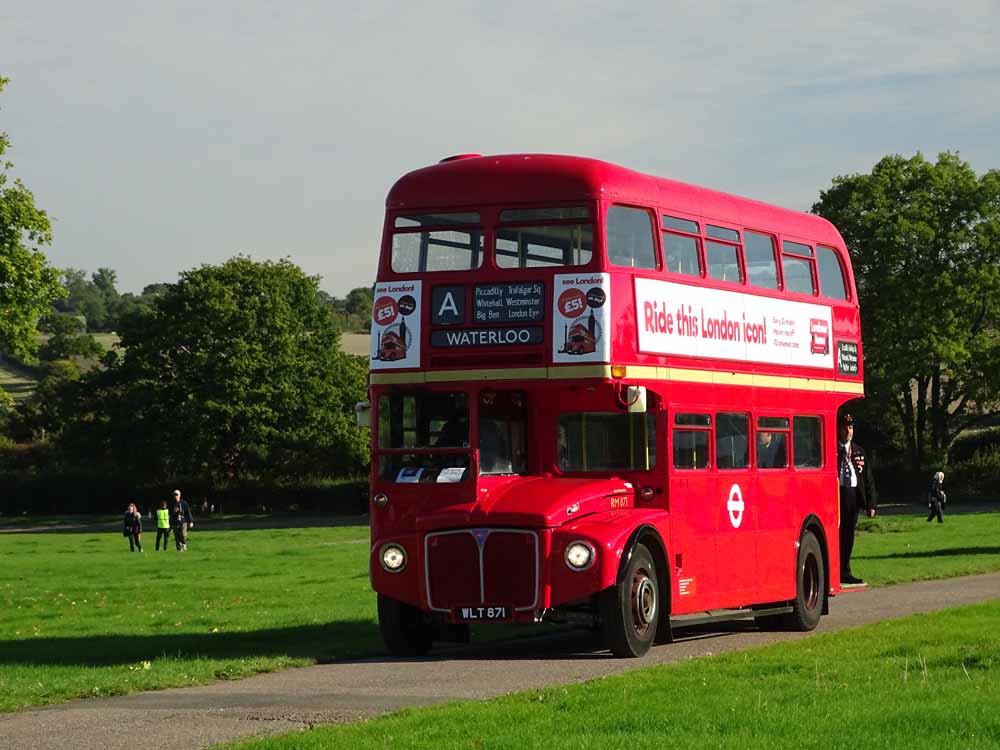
810, 585
630, 611
403, 628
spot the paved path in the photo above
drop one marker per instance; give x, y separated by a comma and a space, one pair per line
346, 691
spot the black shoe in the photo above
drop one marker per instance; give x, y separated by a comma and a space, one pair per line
851, 580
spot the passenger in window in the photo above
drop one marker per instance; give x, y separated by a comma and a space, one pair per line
771, 451
455, 432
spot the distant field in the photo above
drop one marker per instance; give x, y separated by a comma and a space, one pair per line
355, 343
17, 384
84, 617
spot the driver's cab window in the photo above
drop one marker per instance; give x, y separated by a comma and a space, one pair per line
502, 433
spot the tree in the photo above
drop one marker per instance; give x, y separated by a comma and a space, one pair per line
28, 284
925, 242
84, 298
234, 373
48, 409
66, 338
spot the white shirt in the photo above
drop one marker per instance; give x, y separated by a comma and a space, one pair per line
846, 447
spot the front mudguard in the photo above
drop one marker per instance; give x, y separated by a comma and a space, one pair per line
612, 536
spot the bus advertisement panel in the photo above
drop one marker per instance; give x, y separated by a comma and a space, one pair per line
715, 323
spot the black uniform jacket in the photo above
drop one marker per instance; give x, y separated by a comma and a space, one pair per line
866, 480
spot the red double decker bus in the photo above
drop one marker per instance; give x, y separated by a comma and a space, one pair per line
604, 398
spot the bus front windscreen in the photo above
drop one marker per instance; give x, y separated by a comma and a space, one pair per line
423, 422
600, 441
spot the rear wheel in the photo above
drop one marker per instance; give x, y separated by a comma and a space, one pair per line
403, 628
630, 611
810, 586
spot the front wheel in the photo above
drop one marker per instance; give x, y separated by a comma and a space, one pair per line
403, 628
810, 586
630, 611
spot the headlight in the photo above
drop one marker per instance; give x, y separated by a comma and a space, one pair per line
380, 500
579, 556
393, 557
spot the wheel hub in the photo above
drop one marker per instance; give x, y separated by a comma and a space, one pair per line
643, 600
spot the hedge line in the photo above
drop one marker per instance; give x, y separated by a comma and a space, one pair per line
84, 494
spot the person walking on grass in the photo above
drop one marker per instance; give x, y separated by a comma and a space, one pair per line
162, 525
132, 527
936, 498
181, 520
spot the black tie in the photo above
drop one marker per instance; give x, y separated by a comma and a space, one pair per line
845, 468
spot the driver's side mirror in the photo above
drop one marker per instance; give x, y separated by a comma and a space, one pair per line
635, 399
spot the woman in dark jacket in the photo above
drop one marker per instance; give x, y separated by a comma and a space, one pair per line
132, 527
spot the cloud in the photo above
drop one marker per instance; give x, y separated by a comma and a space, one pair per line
165, 135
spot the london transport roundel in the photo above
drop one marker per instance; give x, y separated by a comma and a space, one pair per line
735, 506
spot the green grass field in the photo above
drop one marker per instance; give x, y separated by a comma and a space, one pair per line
897, 549
19, 385
922, 683
84, 617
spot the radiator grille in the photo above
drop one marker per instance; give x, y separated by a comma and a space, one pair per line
481, 566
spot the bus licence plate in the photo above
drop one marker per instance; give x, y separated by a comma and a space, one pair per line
483, 614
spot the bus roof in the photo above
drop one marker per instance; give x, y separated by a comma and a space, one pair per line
512, 179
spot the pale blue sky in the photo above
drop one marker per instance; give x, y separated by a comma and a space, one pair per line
162, 135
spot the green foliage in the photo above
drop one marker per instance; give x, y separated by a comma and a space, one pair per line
925, 242
47, 411
67, 338
353, 313
28, 284
233, 372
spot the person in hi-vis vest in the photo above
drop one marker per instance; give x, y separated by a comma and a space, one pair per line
162, 525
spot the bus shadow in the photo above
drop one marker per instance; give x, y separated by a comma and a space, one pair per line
950, 552
568, 644
325, 643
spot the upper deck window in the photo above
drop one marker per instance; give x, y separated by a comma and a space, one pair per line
544, 214
797, 270
722, 233
436, 220
762, 269
683, 225
425, 242
723, 262
630, 238
533, 245
831, 274
681, 251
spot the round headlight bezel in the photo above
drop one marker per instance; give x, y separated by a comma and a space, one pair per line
591, 555
388, 546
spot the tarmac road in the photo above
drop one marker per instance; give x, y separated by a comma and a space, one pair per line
347, 691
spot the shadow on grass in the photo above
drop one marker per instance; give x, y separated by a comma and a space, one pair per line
951, 552
324, 643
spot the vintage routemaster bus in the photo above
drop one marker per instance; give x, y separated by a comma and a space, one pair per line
604, 398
